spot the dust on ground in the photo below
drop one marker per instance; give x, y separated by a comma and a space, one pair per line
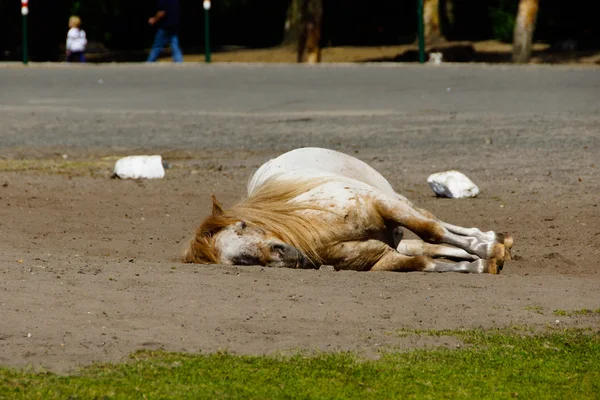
90, 267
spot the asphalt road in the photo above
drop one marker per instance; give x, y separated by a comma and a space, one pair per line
283, 106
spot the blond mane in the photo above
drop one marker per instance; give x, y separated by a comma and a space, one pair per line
270, 207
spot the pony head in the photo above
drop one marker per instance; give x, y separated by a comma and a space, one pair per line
229, 239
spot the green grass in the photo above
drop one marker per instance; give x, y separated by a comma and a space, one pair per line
495, 364
469, 336
583, 311
535, 309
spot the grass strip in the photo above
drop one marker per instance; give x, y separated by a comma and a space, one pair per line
494, 364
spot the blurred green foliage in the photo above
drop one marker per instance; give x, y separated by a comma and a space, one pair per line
502, 19
122, 24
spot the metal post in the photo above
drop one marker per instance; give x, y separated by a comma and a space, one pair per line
421, 35
206, 5
24, 12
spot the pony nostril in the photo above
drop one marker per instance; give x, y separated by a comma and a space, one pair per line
279, 248
301, 263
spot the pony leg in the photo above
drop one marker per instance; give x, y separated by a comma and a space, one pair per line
356, 255
421, 248
432, 230
394, 261
504, 238
374, 255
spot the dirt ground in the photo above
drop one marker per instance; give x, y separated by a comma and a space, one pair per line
90, 266
488, 51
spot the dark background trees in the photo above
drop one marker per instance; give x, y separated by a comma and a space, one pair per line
122, 24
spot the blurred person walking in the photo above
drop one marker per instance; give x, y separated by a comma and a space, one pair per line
76, 40
166, 21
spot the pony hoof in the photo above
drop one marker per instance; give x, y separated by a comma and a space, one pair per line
508, 244
497, 257
494, 266
507, 240
498, 252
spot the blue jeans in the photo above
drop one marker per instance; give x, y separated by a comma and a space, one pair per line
76, 55
160, 40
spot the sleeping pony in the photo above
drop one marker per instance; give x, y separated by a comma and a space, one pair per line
311, 207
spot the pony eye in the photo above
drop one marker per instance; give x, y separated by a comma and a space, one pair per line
242, 225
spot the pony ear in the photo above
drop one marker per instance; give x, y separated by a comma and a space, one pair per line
217, 210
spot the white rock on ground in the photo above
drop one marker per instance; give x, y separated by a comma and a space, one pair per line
452, 184
140, 167
436, 58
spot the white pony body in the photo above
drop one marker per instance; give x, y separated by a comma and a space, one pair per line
314, 162
345, 178
355, 218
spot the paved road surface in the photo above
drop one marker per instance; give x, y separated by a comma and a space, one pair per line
279, 107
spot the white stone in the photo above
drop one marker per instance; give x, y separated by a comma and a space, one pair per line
140, 167
452, 184
436, 58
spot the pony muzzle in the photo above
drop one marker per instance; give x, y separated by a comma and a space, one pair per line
284, 255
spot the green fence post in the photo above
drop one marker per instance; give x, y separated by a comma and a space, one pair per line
24, 12
206, 5
421, 35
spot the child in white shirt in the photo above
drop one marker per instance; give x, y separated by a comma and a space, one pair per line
76, 40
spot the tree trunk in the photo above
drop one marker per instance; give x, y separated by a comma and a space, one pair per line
309, 42
447, 18
524, 27
431, 21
